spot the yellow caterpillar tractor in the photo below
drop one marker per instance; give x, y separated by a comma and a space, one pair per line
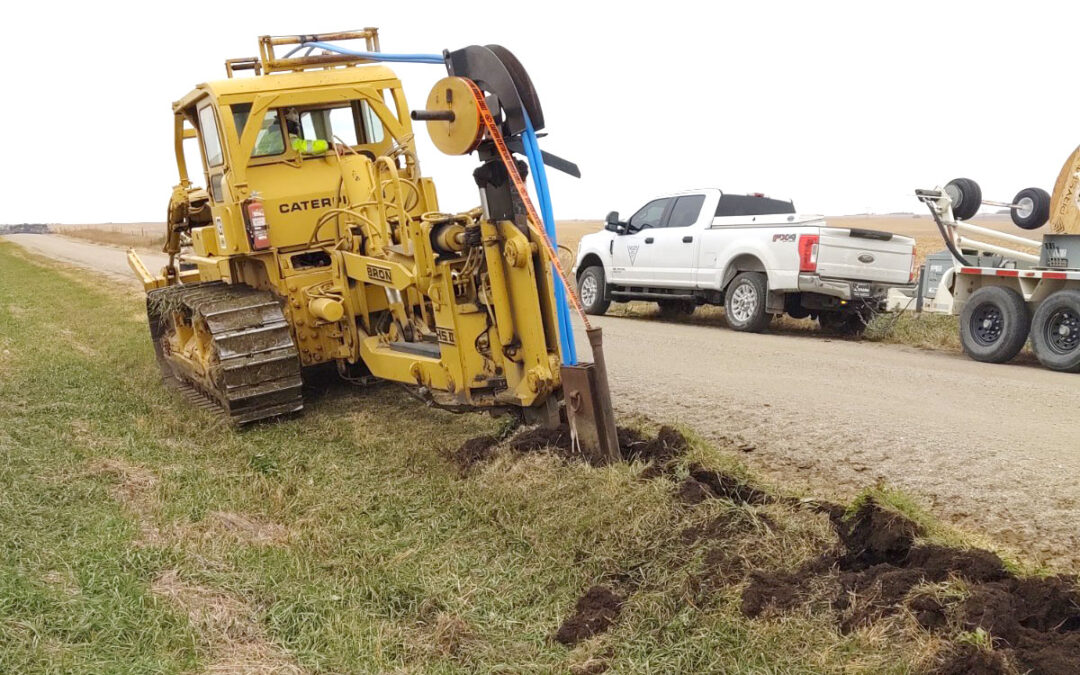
317, 239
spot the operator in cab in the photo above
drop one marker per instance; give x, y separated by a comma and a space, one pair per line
270, 141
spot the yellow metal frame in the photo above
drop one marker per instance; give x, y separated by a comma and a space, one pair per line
353, 232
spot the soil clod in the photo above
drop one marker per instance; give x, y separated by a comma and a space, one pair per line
474, 451
594, 613
874, 535
969, 659
728, 487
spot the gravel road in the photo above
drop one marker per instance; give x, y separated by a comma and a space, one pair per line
992, 448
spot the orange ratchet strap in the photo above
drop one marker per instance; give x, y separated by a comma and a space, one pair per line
535, 223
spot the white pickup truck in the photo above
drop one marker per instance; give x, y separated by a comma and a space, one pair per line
753, 255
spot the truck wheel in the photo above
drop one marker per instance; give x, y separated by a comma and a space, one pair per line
1033, 208
676, 308
591, 290
994, 324
1055, 332
966, 196
744, 302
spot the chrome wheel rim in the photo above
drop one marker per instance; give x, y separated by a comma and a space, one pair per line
588, 290
744, 302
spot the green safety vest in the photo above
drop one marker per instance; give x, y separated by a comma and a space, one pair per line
304, 147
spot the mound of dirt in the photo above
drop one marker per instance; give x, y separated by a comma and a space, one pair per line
556, 439
1034, 621
666, 446
669, 444
1038, 620
874, 535
594, 613
474, 451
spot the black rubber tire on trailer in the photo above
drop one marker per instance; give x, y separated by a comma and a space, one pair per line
994, 324
1055, 332
966, 197
745, 302
591, 290
849, 323
1034, 209
676, 308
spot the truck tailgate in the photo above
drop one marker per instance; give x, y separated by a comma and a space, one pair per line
864, 255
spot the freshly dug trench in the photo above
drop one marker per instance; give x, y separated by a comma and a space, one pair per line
668, 445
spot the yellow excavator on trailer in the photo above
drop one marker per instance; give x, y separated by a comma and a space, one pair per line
318, 240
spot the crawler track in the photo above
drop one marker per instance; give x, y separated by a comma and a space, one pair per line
249, 369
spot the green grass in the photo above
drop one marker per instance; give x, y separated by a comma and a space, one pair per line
925, 331
141, 536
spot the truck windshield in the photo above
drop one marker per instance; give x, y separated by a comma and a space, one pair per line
749, 205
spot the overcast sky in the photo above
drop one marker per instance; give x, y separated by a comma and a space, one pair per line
842, 106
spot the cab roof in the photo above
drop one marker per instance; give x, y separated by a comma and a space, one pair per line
242, 88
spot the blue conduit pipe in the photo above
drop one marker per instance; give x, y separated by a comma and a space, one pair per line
540, 184
543, 194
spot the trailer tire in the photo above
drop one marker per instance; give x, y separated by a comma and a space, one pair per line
1034, 208
966, 197
744, 302
994, 324
1055, 332
591, 291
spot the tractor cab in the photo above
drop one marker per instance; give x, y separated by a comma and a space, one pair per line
273, 148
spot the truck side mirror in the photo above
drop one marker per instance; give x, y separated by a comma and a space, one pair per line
612, 223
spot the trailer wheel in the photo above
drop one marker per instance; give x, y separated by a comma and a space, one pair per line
1055, 332
591, 290
994, 324
744, 303
966, 196
1033, 208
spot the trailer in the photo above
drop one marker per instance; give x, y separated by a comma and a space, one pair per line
1032, 289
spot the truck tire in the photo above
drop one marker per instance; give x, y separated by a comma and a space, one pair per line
744, 302
966, 197
1034, 208
994, 324
1055, 332
591, 291
676, 308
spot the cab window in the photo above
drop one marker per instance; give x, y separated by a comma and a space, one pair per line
211, 141
649, 215
270, 140
686, 211
352, 124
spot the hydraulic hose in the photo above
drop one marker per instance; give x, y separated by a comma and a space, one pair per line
376, 56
